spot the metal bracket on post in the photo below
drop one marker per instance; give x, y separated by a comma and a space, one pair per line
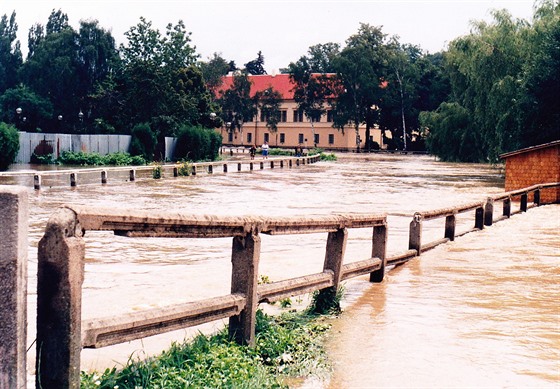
245, 257
60, 276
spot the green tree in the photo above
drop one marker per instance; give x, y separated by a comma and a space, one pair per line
9, 145
540, 111
486, 68
361, 68
256, 66
214, 71
143, 142
160, 80
37, 110
237, 105
10, 52
311, 90
268, 101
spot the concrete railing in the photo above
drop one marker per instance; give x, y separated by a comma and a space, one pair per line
61, 333
72, 176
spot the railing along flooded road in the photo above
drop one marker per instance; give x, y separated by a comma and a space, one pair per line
477, 311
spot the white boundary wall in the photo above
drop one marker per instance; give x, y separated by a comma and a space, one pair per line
102, 144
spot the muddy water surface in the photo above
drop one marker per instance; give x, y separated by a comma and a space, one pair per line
450, 314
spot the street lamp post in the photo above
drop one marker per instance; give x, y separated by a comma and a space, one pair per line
81, 117
18, 112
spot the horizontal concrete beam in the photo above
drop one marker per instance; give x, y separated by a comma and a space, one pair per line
358, 268
136, 325
279, 290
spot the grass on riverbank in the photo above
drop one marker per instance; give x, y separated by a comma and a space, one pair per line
288, 347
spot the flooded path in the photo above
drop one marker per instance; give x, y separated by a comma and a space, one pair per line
468, 313
481, 311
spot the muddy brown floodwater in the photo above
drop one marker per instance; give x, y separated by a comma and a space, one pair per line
480, 311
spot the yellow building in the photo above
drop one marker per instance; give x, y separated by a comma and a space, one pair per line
294, 128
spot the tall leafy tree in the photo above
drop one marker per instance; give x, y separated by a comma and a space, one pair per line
10, 52
311, 90
268, 101
361, 69
540, 111
236, 103
214, 71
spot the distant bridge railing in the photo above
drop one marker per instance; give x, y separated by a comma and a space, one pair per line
72, 176
62, 334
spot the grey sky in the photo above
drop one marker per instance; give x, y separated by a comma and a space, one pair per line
282, 30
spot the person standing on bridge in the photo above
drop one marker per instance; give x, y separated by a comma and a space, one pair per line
252, 151
264, 149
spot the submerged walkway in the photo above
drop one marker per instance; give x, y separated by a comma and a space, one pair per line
481, 311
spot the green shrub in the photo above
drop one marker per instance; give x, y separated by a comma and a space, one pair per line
143, 142
95, 159
289, 345
9, 145
197, 144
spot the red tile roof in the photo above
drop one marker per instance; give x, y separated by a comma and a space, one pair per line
279, 82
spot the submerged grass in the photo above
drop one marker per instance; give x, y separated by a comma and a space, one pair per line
287, 346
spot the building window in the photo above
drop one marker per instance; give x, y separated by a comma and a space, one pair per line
316, 141
300, 139
298, 115
266, 137
331, 139
283, 116
249, 137
330, 116
282, 138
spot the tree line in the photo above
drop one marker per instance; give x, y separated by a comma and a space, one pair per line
490, 92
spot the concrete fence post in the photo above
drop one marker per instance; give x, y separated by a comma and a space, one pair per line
175, 172
13, 286
479, 218
132, 174
489, 212
73, 179
104, 176
250, 165
334, 256
450, 223
210, 169
379, 250
272, 164
225, 167
262, 165
193, 170
415, 234
60, 276
290, 163
524, 198
37, 182
281, 163
507, 207
537, 197
239, 167
246, 251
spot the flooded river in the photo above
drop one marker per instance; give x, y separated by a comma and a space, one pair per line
480, 311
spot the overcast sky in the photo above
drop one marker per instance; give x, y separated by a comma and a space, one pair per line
282, 30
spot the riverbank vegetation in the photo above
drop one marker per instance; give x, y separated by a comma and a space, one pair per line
288, 348
492, 91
